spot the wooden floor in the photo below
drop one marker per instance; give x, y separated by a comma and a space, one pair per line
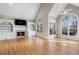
39, 46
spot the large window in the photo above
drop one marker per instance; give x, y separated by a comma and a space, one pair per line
69, 25
65, 26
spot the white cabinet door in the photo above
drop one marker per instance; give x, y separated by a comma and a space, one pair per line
2, 36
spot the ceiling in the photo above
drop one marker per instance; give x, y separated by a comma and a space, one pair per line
75, 4
58, 7
29, 10
20, 10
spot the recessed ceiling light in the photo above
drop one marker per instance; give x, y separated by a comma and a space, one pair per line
32, 10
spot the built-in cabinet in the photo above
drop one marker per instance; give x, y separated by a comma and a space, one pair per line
6, 29
6, 26
31, 29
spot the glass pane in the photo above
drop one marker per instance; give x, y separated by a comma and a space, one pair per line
52, 28
72, 25
65, 26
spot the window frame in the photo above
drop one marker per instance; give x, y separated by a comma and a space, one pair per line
68, 25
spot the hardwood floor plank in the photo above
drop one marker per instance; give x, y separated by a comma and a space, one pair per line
39, 46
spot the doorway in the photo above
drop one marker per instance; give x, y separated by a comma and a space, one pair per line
52, 29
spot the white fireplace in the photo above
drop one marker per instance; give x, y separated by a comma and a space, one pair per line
20, 31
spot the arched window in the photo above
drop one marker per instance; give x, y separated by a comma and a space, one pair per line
69, 25
6, 26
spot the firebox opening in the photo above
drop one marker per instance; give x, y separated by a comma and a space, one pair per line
20, 33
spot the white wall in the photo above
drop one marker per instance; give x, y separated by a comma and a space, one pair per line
43, 12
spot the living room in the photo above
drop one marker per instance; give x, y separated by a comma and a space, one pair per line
39, 28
